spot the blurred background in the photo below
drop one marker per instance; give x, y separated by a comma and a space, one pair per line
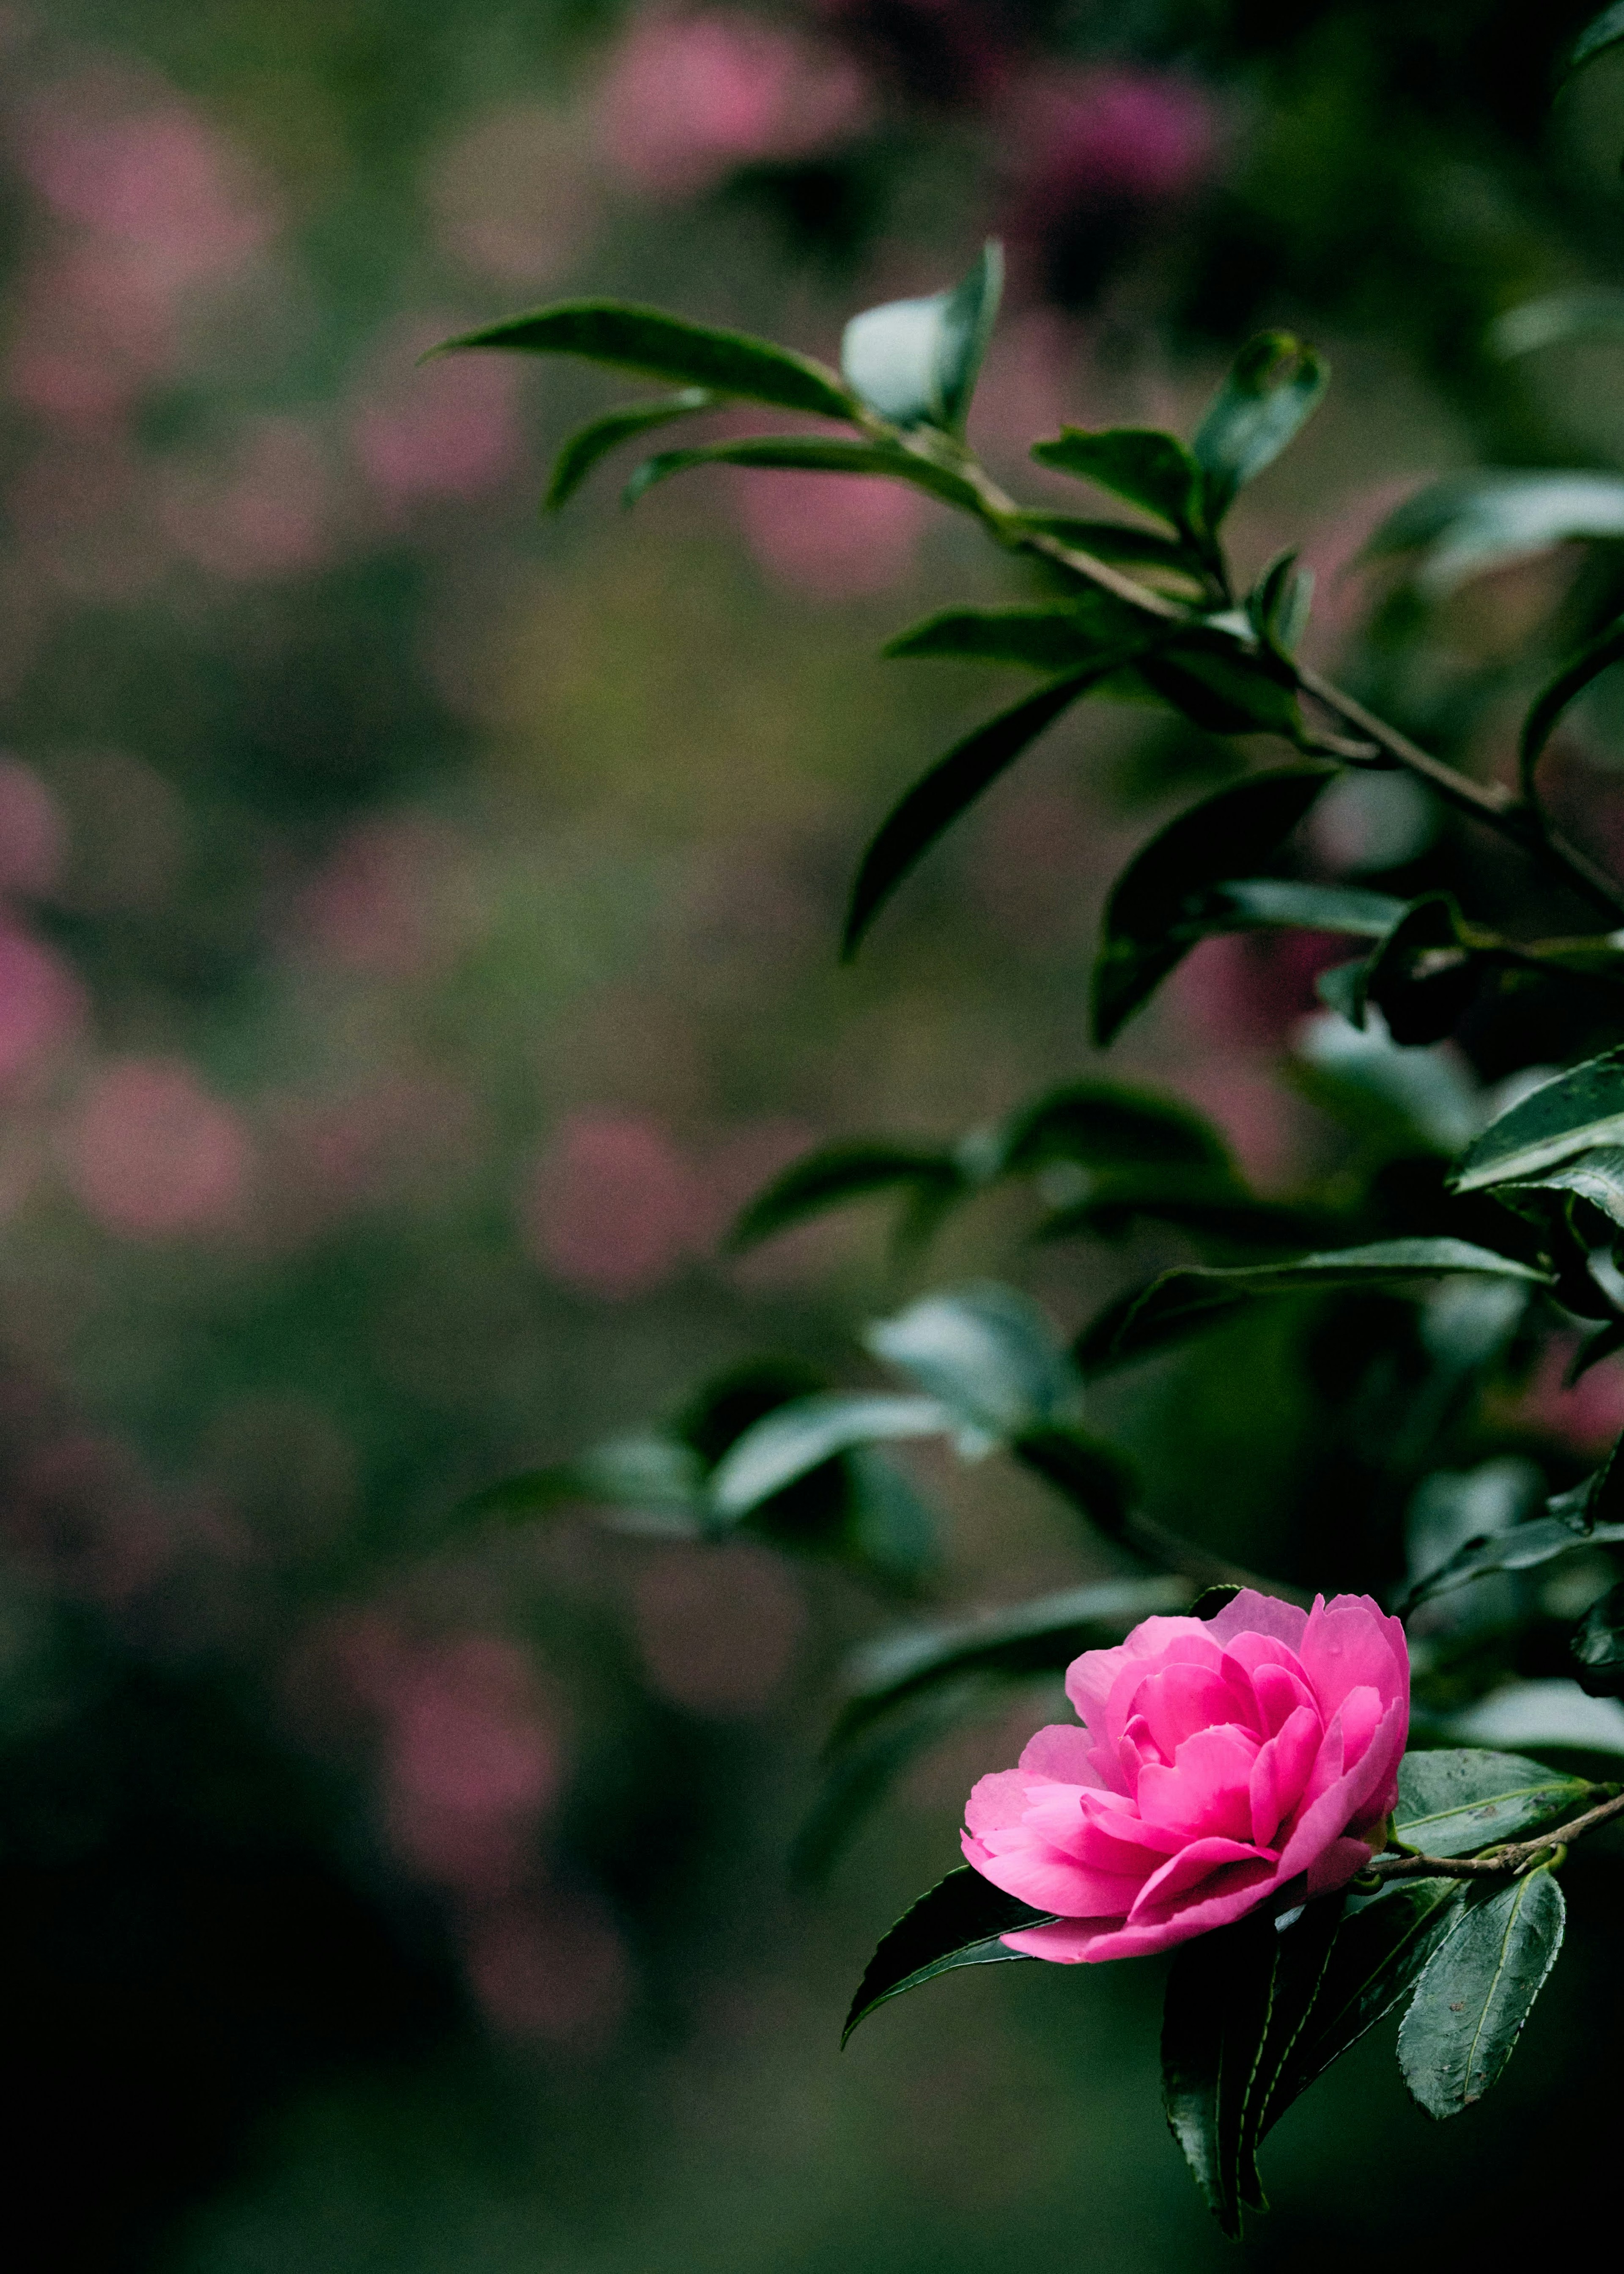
417, 941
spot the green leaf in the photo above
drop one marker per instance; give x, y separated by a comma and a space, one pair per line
658, 346
1152, 918
578, 456
1424, 975
1601, 32
1554, 1714
1596, 1177
1272, 388
1477, 1991
1203, 1202
657, 1483
1599, 655
1279, 605
808, 454
839, 1174
1187, 1297
1221, 687
1458, 1800
1116, 542
938, 798
1041, 1636
1104, 1125
1092, 1475
916, 362
988, 1353
1149, 469
863, 1770
797, 1438
1047, 639
958, 1923
1578, 1112
1472, 522
1524, 1547
1260, 903
1589, 312
1598, 1646
1382, 1944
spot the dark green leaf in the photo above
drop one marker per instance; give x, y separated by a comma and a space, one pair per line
575, 461
1579, 1112
1279, 605
1591, 313
1257, 903
1221, 687
938, 798
1042, 639
658, 346
1601, 32
988, 1353
1115, 542
958, 1923
1185, 1298
1423, 976
1596, 1178
1102, 1125
1599, 655
1150, 909
1149, 469
1598, 1646
841, 1173
892, 1529
1035, 1637
916, 362
1084, 1470
1458, 1800
808, 454
864, 1771
657, 1481
1202, 1202
1272, 388
1606, 1341
1472, 522
1382, 1944
797, 1438
1524, 1548
1477, 1991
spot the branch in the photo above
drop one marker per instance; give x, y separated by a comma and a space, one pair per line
1496, 1861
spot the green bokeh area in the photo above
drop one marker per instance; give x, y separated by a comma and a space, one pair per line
417, 941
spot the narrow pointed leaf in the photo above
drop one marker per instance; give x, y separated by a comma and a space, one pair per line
1601, 32
1459, 1800
916, 362
578, 456
1222, 687
658, 1476
840, 1174
953, 784
861, 1773
1596, 1177
956, 1924
1149, 469
1469, 524
1043, 639
1198, 1200
1266, 902
797, 1438
1601, 653
1152, 916
1595, 312
1116, 542
808, 453
1477, 1993
1187, 1297
1099, 1125
1598, 1646
1524, 1548
660, 346
1272, 388
987, 1352
1578, 1112
1041, 1636
1215, 2020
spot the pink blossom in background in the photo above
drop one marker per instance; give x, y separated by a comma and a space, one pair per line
1587, 1418
150, 1152
32, 834
1108, 136
1265, 1124
399, 1138
78, 1505
550, 1966
719, 1627
263, 514
1251, 988
830, 535
42, 1002
445, 429
95, 327
510, 194
373, 904
1217, 1761
688, 98
473, 1760
147, 172
613, 1208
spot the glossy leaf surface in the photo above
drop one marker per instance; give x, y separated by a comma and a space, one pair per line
1472, 523
1601, 32
584, 449
1150, 470
956, 1924
797, 1438
1598, 1646
1273, 388
1048, 639
1580, 1110
1524, 1548
840, 1174
659, 346
1477, 1991
989, 1355
1459, 1800
808, 453
916, 361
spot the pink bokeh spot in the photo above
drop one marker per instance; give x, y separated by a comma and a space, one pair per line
263, 515
150, 1152
1587, 1417
1214, 1763
554, 1968
1109, 135
371, 905
97, 327
613, 1208
688, 98
34, 836
830, 535
448, 429
41, 1003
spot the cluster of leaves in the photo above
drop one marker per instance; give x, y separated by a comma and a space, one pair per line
1460, 1233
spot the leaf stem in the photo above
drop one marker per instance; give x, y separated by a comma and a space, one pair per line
1498, 1861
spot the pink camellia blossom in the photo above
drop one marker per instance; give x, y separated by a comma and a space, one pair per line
1219, 1760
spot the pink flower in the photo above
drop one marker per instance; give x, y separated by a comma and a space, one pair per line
1219, 1759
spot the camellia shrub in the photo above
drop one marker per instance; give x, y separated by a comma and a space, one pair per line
1327, 1810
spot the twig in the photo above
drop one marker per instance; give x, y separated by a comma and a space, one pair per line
1497, 1862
